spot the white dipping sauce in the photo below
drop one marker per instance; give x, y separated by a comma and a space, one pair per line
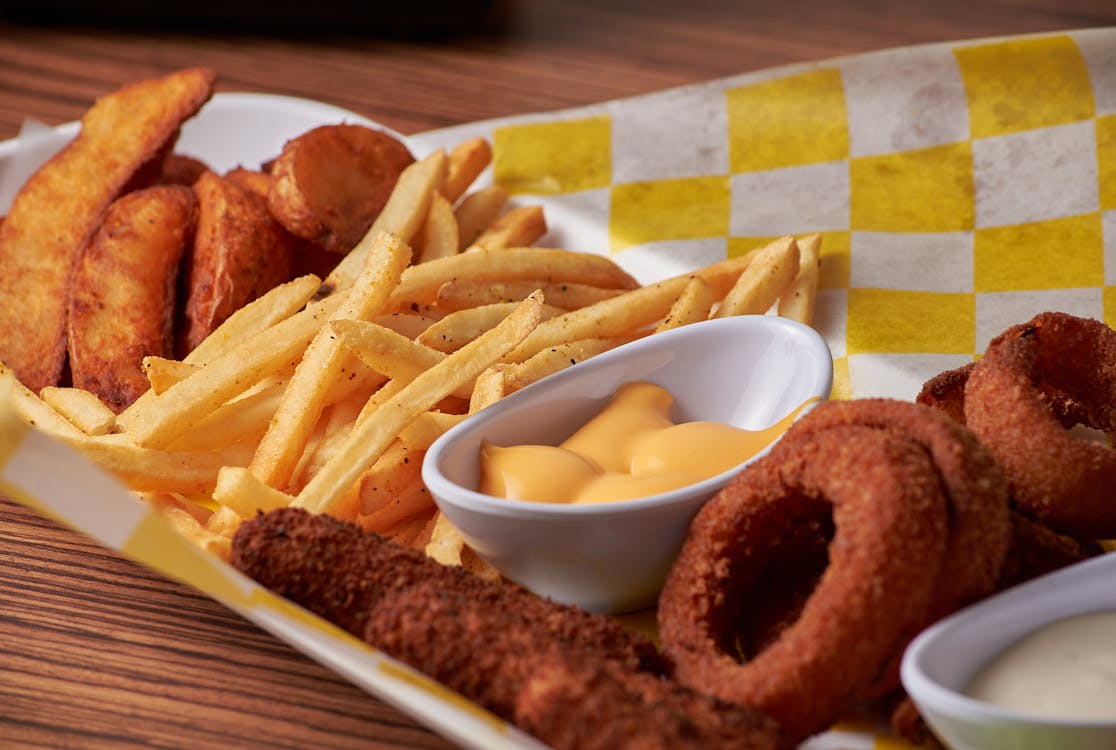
1064, 670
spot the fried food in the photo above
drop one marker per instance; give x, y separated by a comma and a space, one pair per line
60, 206
239, 253
329, 184
1035, 379
122, 296
946, 391
574, 679
884, 499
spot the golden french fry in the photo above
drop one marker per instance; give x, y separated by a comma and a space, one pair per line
384, 488
154, 470
406, 324
275, 305
82, 408
460, 294
692, 305
554, 359
517, 228
158, 421
321, 364
439, 236
421, 283
459, 328
239, 490
445, 544
413, 530
489, 388
623, 315
192, 529
466, 161
771, 271
477, 211
370, 438
241, 420
428, 427
799, 301
162, 373
33, 410
403, 215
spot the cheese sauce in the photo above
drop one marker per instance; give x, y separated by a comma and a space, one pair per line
631, 449
1064, 670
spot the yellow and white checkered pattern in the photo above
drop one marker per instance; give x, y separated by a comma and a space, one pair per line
959, 188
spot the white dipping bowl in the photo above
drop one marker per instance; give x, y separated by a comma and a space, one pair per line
940, 662
748, 371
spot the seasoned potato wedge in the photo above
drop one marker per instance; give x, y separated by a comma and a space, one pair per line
61, 205
121, 304
329, 184
239, 253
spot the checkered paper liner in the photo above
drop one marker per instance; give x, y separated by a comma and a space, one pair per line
958, 187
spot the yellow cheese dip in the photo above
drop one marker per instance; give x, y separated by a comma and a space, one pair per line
1064, 670
631, 449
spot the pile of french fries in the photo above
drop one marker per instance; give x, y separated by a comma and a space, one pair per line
325, 393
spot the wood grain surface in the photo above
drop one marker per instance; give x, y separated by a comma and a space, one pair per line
96, 652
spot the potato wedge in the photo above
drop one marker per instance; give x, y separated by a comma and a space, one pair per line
122, 296
60, 206
239, 253
330, 183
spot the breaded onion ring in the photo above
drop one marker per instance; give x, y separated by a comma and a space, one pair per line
946, 391
1034, 380
890, 527
975, 491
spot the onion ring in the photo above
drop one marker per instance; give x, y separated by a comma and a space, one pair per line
975, 490
1034, 380
890, 530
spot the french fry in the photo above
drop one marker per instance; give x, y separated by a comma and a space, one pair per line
620, 316
428, 427
240, 420
692, 305
477, 211
770, 272
321, 364
385, 486
439, 235
405, 324
489, 388
190, 528
155, 470
162, 373
519, 227
82, 408
159, 420
461, 294
384, 350
278, 304
239, 490
34, 411
552, 360
459, 328
403, 215
421, 283
466, 162
371, 438
799, 301
412, 531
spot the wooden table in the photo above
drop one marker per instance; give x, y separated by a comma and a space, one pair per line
98, 652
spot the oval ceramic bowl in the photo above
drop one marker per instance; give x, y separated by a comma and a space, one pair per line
748, 371
942, 660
